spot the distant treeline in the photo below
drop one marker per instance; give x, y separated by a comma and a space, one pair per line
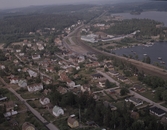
147, 27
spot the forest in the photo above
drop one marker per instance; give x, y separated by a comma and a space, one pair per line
147, 27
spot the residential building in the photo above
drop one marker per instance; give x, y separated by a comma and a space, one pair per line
36, 57
22, 83
122, 78
72, 122
62, 90
28, 126
57, 111
107, 104
102, 83
2, 67
85, 89
9, 105
2, 98
113, 73
32, 73
14, 80
97, 76
44, 100
135, 101
10, 113
157, 111
35, 87
138, 88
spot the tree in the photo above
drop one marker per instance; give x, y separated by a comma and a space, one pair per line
106, 69
147, 60
164, 95
107, 84
124, 91
158, 93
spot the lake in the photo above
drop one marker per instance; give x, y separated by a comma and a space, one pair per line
160, 16
159, 49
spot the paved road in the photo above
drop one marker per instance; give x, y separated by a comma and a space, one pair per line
108, 77
36, 113
148, 100
132, 92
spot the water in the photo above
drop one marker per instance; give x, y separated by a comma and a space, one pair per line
159, 49
160, 16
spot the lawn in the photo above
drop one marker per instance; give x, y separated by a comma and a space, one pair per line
150, 96
29, 95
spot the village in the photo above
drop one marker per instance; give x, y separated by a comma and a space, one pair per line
35, 72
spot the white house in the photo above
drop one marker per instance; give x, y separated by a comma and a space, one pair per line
36, 57
22, 83
135, 101
35, 87
57, 111
18, 50
14, 80
2, 67
32, 73
44, 101
102, 83
70, 83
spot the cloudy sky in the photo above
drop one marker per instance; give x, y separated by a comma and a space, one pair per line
23, 3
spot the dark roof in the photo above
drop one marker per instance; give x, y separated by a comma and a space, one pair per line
97, 75
157, 110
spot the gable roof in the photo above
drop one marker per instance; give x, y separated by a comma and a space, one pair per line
56, 109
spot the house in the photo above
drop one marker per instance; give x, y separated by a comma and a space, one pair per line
44, 100
102, 83
46, 91
72, 122
57, 111
94, 64
62, 90
138, 88
29, 45
14, 80
36, 57
113, 73
21, 54
157, 111
10, 113
122, 78
46, 80
35, 87
135, 101
22, 83
50, 69
15, 61
107, 104
9, 105
64, 78
40, 47
2, 67
18, 50
81, 59
85, 89
97, 76
2, 98
71, 83
32, 73
28, 126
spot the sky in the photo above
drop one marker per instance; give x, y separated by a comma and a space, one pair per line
5, 4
